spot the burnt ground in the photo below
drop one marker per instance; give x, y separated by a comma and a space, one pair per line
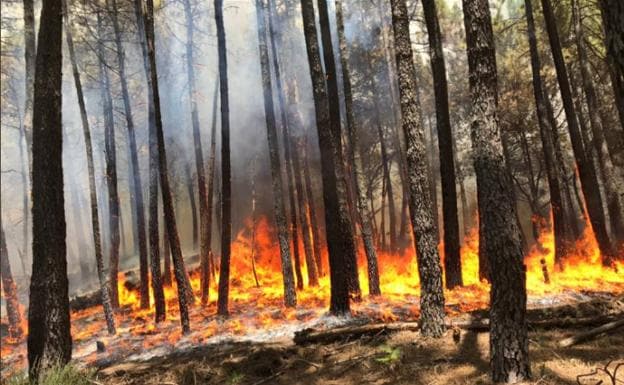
404, 357
401, 358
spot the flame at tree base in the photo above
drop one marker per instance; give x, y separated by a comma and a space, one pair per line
258, 309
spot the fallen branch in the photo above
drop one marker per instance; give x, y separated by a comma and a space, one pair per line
591, 333
308, 336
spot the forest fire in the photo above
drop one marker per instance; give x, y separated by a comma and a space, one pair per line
257, 312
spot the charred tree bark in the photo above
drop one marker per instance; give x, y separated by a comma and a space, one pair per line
562, 236
185, 295
153, 227
9, 290
585, 168
136, 185
111, 166
290, 296
95, 219
226, 179
452, 261
49, 337
423, 227
612, 193
509, 360
337, 222
356, 161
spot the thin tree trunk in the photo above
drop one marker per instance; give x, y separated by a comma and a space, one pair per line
153, 226
135, 176
311, 209
433, 185
290, 296
423, 227
184, 294
612, 12
111, 166
356, 161
9, 290
584, 166
226, 180
452, 262
208, 267
49, 337
509, 360
466, 216
25, 175
95, 218
29, 60
612, 193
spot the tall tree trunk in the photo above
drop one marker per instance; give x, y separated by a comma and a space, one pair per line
208, 265
9, 290
226, 179
452, 262
290, 296
337, 222
25, 176
153, 226
291, 118
562, 236
49, 337
111, 166
423, 227
509, 360
311, 207
205, 231
612, 12
136, 195
356, 161
30, 44
585, 169
185, 295
95, 218
612, 193
433, 185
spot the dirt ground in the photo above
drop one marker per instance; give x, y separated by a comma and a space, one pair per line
401, 358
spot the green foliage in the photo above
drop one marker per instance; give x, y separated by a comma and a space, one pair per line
58, 375
391, 355
235, 377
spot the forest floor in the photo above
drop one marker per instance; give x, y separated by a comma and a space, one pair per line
401, 358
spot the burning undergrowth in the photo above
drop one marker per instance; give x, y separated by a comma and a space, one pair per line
257, 313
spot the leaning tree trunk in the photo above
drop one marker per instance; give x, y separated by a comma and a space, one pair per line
356, 161
9, 290
290, 118
137, 187
587, 174
452, 262
111, 166
49, 337
290, 296
95, 219
508, 327
561, 233
612, 193
226, 178
185, 295
423, 227
153, 227
205, 231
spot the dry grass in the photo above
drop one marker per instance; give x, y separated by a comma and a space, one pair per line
402, 358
